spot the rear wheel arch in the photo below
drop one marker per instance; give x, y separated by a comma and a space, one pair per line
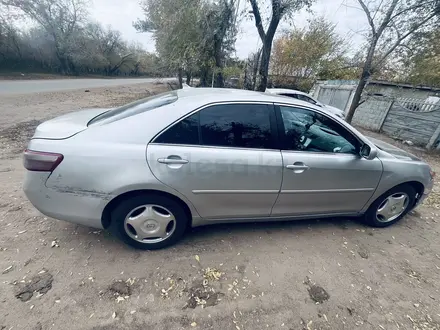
106, 219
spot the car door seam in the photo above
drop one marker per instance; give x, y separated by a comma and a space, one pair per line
369, 201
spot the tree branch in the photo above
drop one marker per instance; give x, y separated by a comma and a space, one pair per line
404, 36
419, 5
258, 22
370, 19
386, 19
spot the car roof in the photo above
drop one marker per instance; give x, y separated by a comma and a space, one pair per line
284, 90
203, 96
133, 129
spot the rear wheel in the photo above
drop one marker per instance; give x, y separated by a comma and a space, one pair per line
391, 206
148, 221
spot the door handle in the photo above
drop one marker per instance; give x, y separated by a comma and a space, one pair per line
297, 167
172, 161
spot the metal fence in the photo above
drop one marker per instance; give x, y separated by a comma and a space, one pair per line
418, 105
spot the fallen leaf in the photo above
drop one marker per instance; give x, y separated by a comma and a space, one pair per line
197, 258
114, 315
7, 270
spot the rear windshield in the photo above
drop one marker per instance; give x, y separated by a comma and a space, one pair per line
135, 108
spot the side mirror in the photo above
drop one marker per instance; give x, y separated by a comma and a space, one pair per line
368, 152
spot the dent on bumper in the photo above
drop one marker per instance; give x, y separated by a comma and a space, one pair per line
84, 208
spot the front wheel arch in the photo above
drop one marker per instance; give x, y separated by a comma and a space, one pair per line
418, 187
106, 219
410, 188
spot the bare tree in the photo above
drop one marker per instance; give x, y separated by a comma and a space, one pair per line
390, 25
279, 9
60, 18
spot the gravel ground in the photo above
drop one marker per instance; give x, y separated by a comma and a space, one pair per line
329, 274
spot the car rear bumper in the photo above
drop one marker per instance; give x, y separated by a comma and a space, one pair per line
84, 208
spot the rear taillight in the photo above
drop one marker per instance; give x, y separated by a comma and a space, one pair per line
41, 161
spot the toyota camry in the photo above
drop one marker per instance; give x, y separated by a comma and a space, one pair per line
149, 170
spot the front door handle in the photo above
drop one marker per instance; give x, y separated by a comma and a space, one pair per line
172, 161
298, 167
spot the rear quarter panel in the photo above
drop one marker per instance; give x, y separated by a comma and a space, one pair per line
102, 168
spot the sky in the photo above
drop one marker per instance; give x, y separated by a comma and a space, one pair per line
348, 19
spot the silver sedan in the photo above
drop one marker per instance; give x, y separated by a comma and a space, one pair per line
148, 170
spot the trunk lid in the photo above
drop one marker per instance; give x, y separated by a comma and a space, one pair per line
67, 125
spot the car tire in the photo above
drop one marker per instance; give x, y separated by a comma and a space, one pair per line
391, 207
148, 215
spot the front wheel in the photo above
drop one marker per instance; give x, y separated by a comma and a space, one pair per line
148, 221
391, 206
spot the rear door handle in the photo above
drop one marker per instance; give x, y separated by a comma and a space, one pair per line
172, 161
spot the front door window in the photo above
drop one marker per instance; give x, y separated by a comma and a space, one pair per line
306, 130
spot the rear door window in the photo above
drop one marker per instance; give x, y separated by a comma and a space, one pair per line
236, 125
224, 125
185, 131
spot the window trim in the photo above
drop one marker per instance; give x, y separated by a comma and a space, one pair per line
272, 119
282, 132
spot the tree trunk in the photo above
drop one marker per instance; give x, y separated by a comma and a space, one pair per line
365, 76
219, 82
188, 78
203, 76
245, 78
255, 69
264, 65
267, 48
180, 76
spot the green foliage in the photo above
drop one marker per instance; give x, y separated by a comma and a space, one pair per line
192, 35
424, 62
232, 71
315, 51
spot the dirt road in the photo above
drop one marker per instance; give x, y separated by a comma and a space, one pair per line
9, 87
328, 274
